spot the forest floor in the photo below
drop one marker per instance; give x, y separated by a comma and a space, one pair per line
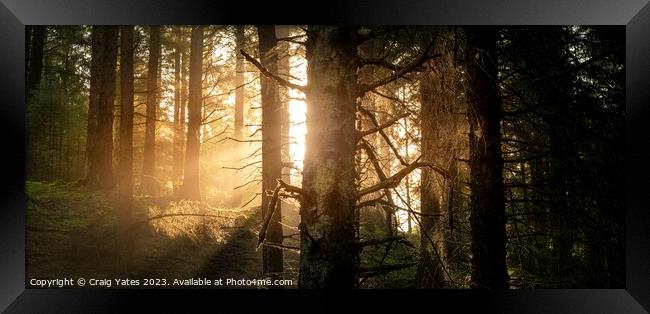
71, 234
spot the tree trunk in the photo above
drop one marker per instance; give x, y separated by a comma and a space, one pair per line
149, 182
438, 130
240, 98
36, 58
487, 216
125, 165
272, 258
453, 204
191, 189
329, 256
177, 154
99, 145
185, 60
429, 272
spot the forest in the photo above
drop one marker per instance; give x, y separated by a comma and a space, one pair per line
327, 156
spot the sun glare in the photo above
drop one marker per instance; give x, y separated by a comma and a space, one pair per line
297, 112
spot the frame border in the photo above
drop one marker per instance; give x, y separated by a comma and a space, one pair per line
634, 14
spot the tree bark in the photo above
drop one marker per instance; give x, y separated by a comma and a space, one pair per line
191, 189
437, 129
177, 154
36, 58
185, 60
272, 257
240, 99
329, 256
149, 183
125, 164
99, 145
429, 272
487, 216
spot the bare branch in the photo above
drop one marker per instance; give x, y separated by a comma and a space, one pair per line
382, 126
384, 202
383, 63
273, 204
273, 76
250, 201
244, 166
383, 134
247, 183
216, 135
395, 179
238, 140
372, 242
426, 55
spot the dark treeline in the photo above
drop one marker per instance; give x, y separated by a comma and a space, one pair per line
481, 157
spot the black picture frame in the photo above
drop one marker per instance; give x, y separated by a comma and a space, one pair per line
634, 14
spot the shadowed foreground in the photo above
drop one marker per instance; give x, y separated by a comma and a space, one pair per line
70, 233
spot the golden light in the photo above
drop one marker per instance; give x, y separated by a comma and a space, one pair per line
297, 112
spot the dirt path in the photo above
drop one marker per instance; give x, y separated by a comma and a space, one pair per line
236, 259
240, 259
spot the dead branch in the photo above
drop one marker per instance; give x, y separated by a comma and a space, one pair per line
383, 134
381, 201
237, 140
291, 195
382, 126
395, 179
216, 135
250, 201
425, 56
289, 188
385, 64
244, 166
255, 132
380, 173
273, 204
268, 73
269, 213
372, 242
247, 183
